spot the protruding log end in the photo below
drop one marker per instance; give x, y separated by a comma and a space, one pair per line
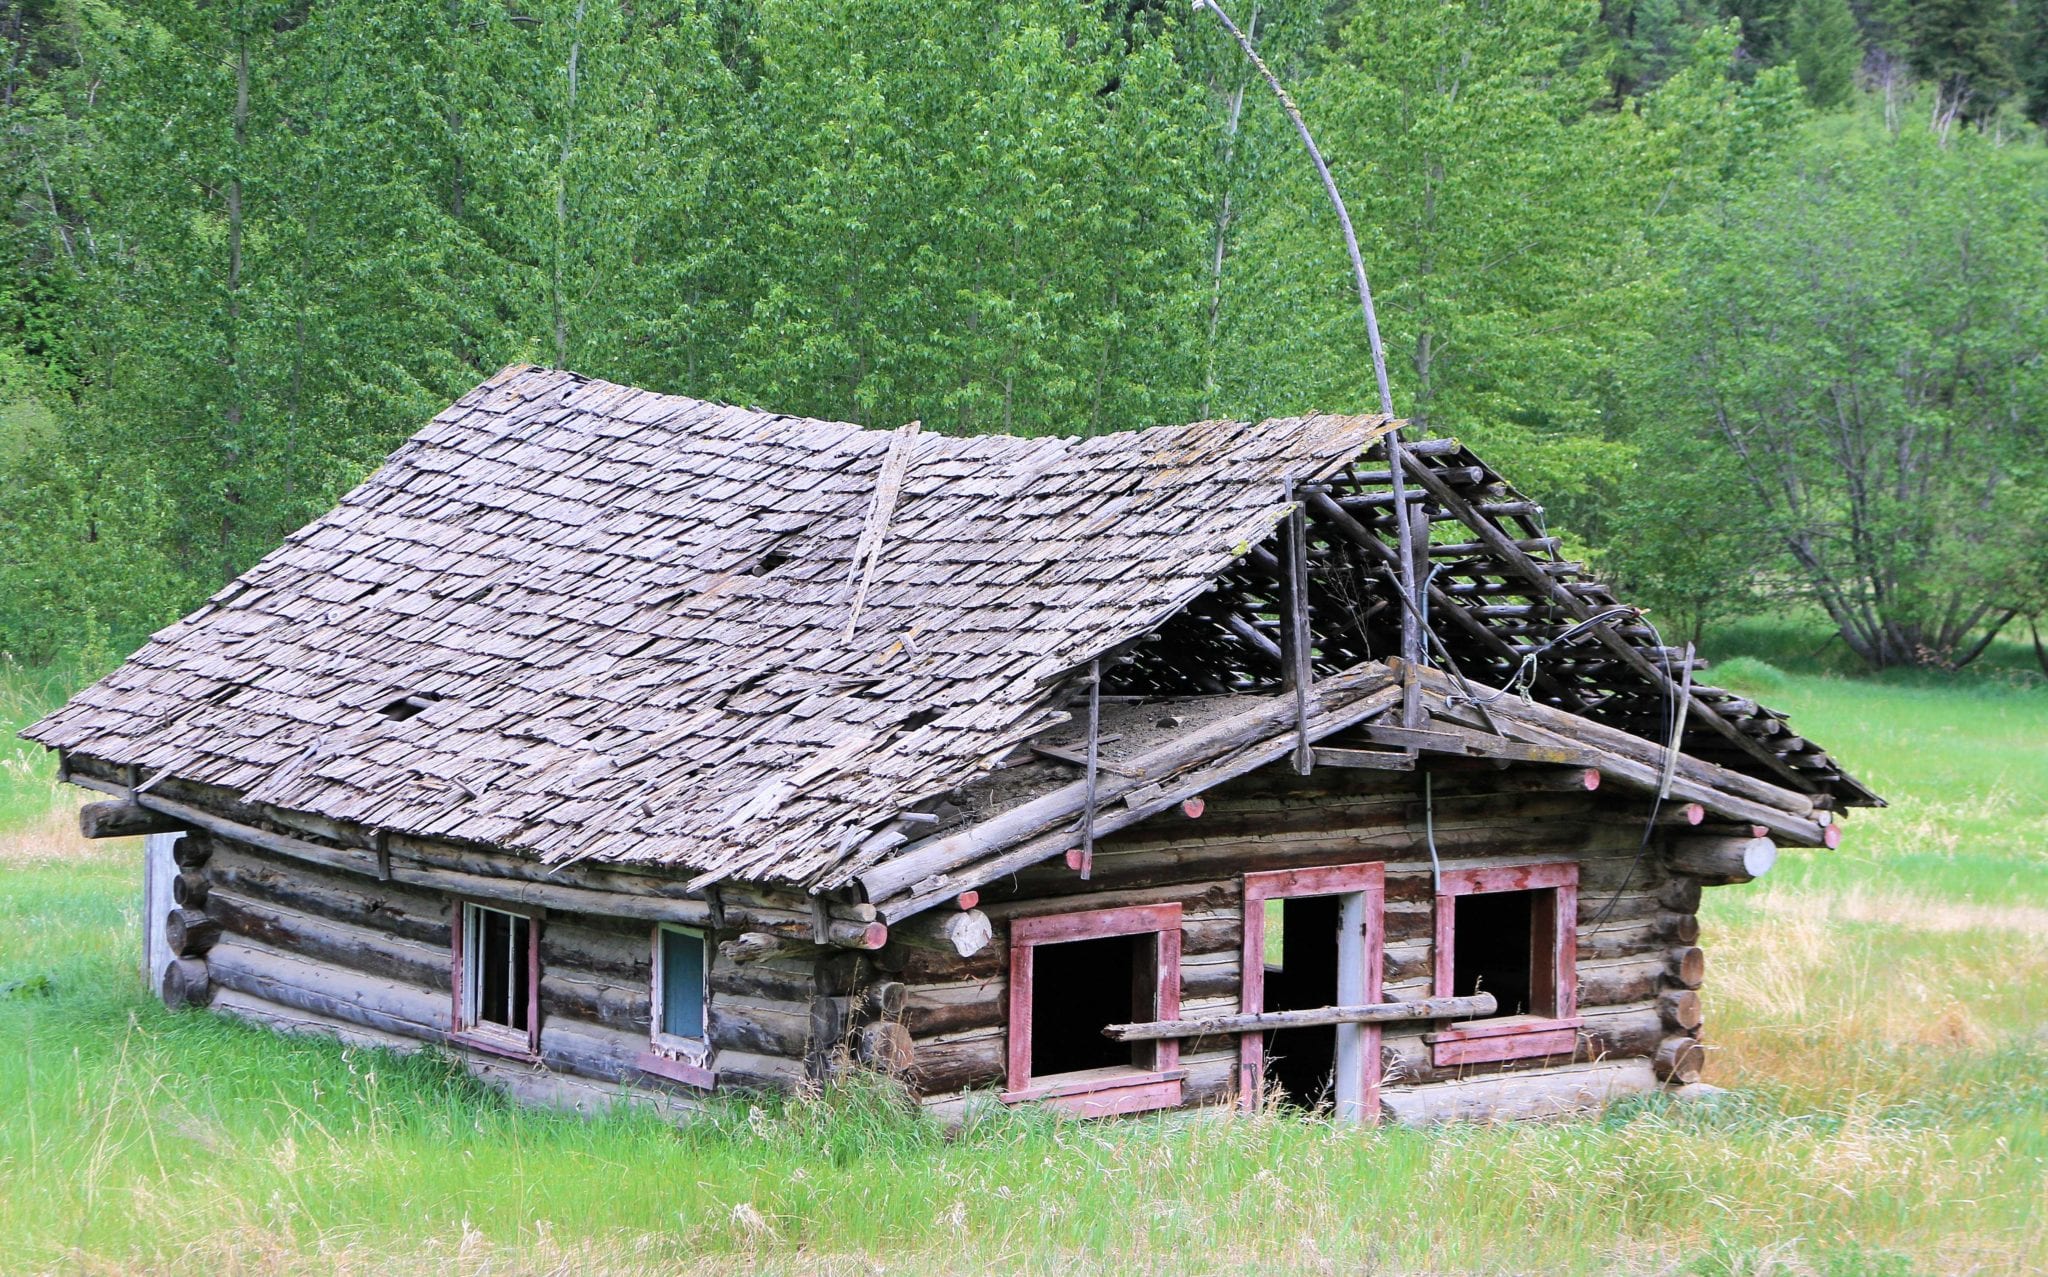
191, 851
1193, 808
1679, 1060
969, 932
188, 889
1680, 1009
122, 819
189, 932
886, 1045
1590, 778
186, 984
887, 998
1688, 968
1688, 814
1831, 836
967, 899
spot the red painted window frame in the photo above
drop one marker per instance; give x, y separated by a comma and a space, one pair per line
1097, 1092
1369, 880
1519, 1037
493, 1039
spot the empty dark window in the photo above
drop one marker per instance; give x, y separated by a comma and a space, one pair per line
1509, 931
1495, 949
1072, 975
1078, 987
768, 563
497, 970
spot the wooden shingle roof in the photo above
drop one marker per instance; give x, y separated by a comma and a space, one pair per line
580, 620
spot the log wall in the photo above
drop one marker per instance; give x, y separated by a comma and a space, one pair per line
1635, 927
305, 948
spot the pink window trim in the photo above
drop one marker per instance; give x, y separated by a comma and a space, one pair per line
1106, 1091
1332, 880
1518, 1037
490, 1038
674, 1070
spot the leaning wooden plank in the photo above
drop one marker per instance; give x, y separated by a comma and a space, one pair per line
1474, 1007
1519, 1096
1011, 855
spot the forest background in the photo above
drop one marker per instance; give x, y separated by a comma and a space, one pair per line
1754, 293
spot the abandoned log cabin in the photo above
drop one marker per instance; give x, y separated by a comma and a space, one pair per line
625, 744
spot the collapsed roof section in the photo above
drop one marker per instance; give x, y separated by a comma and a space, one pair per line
1502, 607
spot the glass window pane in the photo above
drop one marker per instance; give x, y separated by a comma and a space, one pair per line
682, 984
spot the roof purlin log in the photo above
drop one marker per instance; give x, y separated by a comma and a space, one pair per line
1505, 548
928, 872
1015, 839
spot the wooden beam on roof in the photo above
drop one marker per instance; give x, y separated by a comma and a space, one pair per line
1378, 760
1504, 548
939, 868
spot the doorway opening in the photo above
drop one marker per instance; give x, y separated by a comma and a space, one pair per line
1301, 973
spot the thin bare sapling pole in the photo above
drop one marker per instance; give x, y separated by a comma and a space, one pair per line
1411, 633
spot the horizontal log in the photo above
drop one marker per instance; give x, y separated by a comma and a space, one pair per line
1475, 1007
192, 851
1621, 1032
122, 819
1636, 980
405, 912
1722, 861
943, 1065
367, 949
387, 1005
1514, 1096
1688, 969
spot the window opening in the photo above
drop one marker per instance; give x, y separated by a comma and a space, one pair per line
1497, 949
497, 968
680, 993
1077, 987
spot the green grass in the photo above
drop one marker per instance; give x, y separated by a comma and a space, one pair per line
1877, 1012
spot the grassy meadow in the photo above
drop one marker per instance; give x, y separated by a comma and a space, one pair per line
1877, 1014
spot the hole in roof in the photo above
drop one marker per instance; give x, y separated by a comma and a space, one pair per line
920, 718
407, 706
768, 563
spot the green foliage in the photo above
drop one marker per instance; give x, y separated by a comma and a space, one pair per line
1860, 335
1827, 49
250, 247
1749, 675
